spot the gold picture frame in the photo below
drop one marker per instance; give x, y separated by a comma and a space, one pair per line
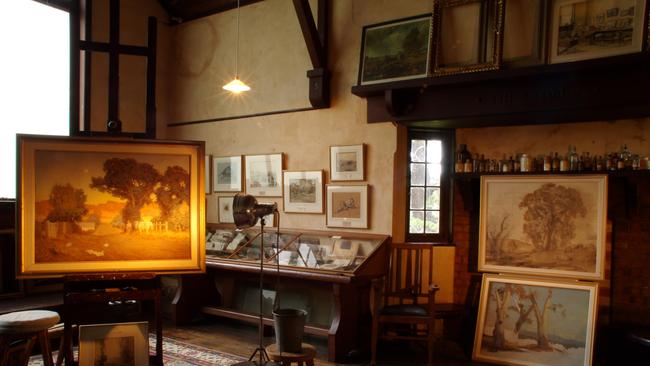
106, 205
510, 309
544, 225
114, 344
347, 206
475, 46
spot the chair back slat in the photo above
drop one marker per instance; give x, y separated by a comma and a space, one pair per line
411, 272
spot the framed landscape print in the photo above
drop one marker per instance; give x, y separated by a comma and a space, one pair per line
225, 209
395, 50
524, 33
114, 344
347, 206
227, 173
586, 29
303, 191
543, 225
525, 321
264, 175
95, 205
347, 162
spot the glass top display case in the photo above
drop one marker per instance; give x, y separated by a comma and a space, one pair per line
339, 252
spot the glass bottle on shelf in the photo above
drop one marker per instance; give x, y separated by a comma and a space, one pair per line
600, 162
511, 164
572, 155
482, 164
548, 163
624, 158
564, 164
636, 162
505, 164
462, 155
524, 163
467, 166
586, 162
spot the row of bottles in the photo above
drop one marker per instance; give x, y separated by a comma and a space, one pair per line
623, 159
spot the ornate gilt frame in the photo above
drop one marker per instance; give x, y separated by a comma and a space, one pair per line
496, 33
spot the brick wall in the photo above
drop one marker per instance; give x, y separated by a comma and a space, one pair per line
461, 228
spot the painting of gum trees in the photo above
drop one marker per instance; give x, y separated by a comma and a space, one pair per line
543, 225
535, 322
92, 206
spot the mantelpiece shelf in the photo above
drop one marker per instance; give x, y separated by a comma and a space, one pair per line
611, 173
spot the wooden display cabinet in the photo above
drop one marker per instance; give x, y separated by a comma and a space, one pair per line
326, 273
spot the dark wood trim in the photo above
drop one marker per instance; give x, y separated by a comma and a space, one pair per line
75, 92
65, 5
400, 166
108, 47
114, 62
186, 15
220, 119
152, 39
310, 33
87, 57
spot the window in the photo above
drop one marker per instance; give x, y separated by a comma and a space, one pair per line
35, 86
428, 186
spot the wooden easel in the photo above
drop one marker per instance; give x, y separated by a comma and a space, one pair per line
86, 298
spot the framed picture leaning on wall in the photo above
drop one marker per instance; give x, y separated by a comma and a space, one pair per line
524, 33
586, 29
114, 344
547, 225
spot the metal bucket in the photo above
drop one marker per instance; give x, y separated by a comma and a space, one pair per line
289, 328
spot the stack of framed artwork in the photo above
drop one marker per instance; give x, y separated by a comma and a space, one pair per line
462, 36
543, 240
302, 191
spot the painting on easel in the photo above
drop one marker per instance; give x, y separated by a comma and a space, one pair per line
99, 205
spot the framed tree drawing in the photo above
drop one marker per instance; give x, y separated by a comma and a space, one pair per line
226, 172
264, 175
347, 163
95, 205
525, 321
543, 225
347, 206
303, 191
114, 344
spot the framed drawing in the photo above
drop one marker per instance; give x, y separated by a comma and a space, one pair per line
225, 209
524, 321
543, 225
96, 205
347, 162
303, 191
207, 175
114, 344
586, 29
347, 206
264, 175
395, 50
468, 35
226, 172
524, 33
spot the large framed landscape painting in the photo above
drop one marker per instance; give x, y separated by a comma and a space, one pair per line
102, 205
525, 321
550, 225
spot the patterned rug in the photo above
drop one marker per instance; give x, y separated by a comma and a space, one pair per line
177, 353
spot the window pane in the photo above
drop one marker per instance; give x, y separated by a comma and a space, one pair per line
433, 174
434, 151
433, 222
416, 222
418, 148
417, 174
433, 199
417, 198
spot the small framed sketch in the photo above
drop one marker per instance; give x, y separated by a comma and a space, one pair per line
528, 321
225, 209
208, 185
303, 191
347, 206
114, 344
264, 175
346, 162
586, 29
226, 173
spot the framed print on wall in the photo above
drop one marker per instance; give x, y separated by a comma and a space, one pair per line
225, 209
347, 206
524, 33
227, 173
264, 175
114, 344
586, 29
303, 191
395, 50
347, 163
96, 205
546, 225
526, 321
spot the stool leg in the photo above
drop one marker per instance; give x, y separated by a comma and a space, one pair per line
28, 351
310, 362
46, 350
4, 351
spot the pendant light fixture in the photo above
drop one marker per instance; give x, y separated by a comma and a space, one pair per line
237, 86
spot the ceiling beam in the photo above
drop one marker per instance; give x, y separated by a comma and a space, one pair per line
310, 32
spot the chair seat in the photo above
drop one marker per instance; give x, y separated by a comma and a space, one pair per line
27, 321
404, 309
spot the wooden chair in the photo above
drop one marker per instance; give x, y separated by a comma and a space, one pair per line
406, 298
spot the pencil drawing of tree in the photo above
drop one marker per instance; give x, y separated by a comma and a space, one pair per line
129, 180
496, 234
68, 203
550, 214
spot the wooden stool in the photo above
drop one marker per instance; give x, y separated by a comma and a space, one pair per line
304, 358
28, 326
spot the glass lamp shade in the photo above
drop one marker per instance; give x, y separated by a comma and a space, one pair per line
236, 86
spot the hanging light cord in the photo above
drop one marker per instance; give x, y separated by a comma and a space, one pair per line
237, 46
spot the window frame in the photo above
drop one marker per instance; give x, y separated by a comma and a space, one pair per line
446, 187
